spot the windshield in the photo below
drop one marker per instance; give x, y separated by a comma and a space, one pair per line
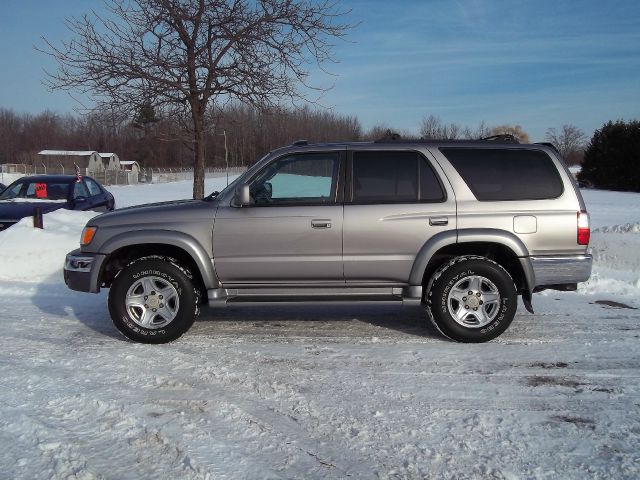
46, 191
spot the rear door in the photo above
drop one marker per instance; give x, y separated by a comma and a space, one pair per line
396, 201
292, 231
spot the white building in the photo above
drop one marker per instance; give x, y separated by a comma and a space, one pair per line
85, 160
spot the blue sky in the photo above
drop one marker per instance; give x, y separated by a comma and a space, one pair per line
538, 63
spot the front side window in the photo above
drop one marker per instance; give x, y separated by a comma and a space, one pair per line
79, 190
93, 187
394, 177
298, 178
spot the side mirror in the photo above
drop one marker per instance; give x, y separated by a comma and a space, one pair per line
242, 197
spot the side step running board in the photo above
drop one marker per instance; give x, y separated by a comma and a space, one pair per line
224, 296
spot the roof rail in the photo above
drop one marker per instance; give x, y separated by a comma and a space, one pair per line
300, 143
550, 145
389, 136
502, 138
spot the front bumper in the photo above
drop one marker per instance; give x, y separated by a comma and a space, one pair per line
561, 270
82, 271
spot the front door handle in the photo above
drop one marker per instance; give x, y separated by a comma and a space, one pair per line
320, 223
438, 221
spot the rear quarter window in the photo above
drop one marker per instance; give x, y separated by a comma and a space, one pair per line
506, 174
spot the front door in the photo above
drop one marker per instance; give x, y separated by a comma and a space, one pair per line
292, 231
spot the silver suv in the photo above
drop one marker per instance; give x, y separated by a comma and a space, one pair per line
461, 228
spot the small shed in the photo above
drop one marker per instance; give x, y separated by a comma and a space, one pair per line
129, 166
133, 170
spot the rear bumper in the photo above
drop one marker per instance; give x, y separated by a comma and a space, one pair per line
82, 271
561, 270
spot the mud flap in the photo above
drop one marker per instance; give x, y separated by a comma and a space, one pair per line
526, 299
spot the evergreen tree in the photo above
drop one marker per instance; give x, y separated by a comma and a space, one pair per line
612, 158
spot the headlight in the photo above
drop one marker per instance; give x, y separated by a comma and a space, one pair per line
87, 235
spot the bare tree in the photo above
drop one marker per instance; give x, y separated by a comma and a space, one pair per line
432, 128
481, 131
515, 130
570, 141
184, 56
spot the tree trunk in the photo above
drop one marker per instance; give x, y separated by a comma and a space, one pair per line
198, 164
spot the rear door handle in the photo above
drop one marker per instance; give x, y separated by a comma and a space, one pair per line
438, 221
320, 223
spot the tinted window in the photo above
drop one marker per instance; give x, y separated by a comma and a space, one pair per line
300, 178
430, 187
394, 177
506, 174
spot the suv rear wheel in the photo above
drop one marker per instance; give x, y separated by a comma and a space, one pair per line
471, 299
153, 300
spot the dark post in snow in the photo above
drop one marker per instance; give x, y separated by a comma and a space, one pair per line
37, 218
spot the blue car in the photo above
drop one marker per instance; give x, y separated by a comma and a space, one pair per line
49, 193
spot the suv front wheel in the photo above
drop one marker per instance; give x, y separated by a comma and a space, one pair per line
153, 300
471, 299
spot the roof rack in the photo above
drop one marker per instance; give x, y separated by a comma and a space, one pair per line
502, 138
389, 136
300, 143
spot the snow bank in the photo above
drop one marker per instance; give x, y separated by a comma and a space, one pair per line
616, 268
608, 208
29, 254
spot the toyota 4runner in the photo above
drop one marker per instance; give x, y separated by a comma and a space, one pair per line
460, 227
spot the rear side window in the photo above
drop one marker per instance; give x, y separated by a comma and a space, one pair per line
506, 174
394, 177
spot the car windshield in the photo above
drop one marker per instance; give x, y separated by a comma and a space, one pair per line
33, 190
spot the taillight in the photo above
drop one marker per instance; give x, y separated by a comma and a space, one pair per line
584, 232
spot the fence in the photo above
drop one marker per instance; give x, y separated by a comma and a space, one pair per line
163, 175
11, 172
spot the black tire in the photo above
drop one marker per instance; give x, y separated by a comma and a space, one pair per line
162, 272
439, 304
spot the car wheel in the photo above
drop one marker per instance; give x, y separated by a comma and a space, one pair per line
471, 299
153, 300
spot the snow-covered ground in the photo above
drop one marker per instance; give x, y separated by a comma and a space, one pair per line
301, 392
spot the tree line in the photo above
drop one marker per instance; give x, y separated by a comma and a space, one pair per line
163, 141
